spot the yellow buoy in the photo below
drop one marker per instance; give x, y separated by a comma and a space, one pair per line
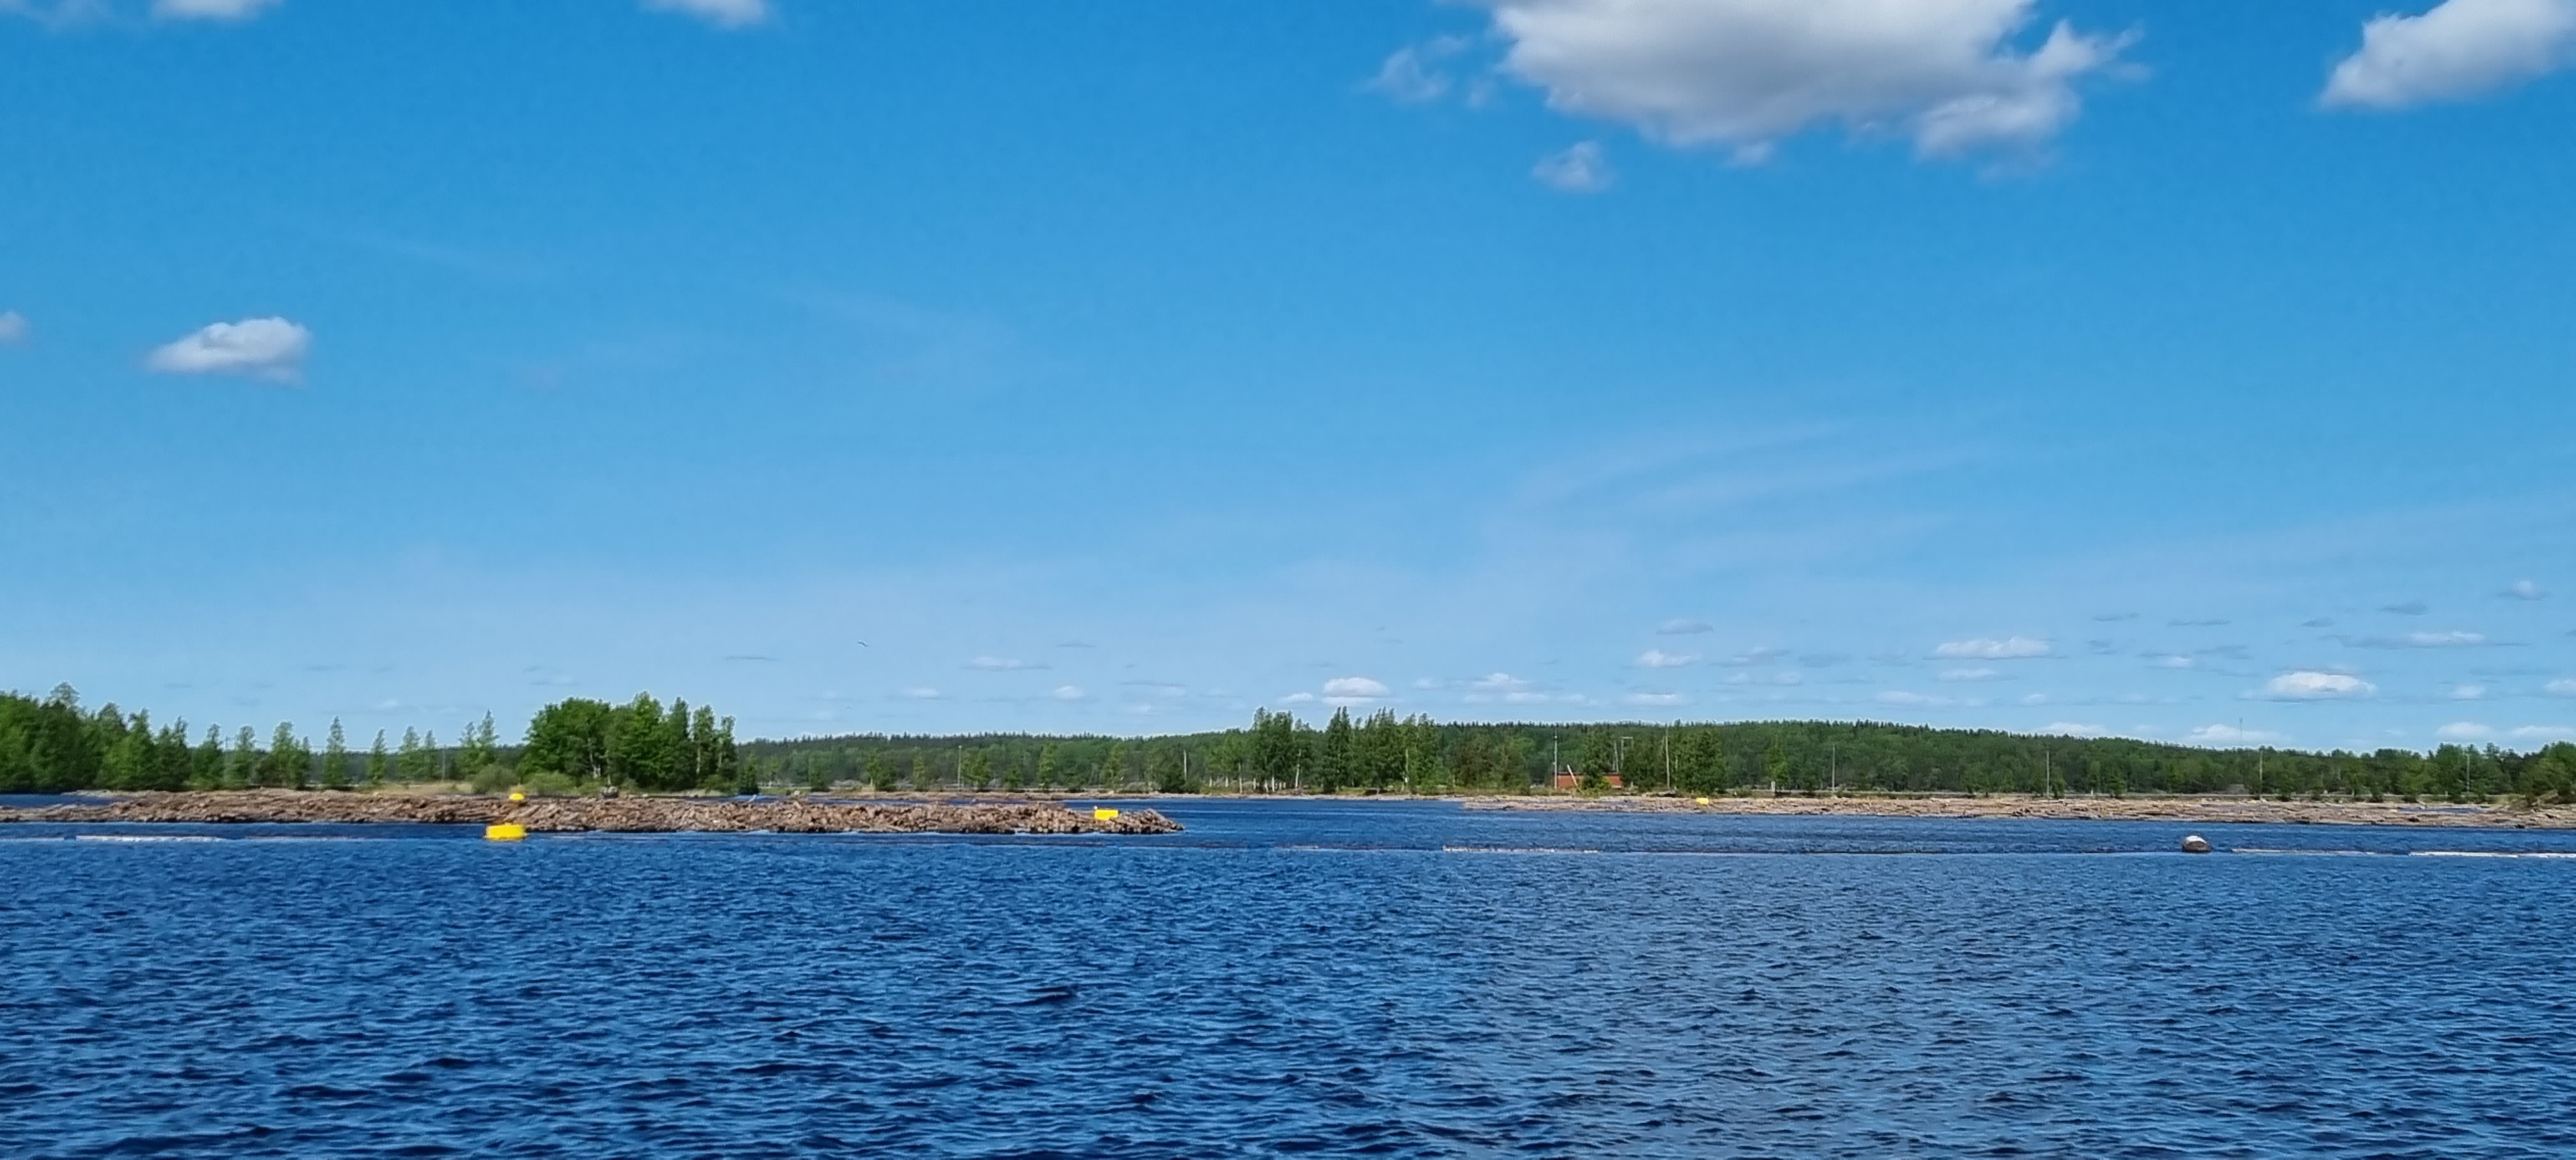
1702, 801
1103, 814
504, 832
516, 796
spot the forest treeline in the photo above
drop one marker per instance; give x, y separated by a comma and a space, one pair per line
53, 744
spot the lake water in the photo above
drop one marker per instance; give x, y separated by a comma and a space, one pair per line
1400, 979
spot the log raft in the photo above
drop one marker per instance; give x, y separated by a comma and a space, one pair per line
619, 815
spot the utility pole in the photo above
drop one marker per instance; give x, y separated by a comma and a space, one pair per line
1552, 766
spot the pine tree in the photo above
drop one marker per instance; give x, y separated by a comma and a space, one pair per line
286, 763
880, 773
411, 762
377, 762
243, 767
335, 757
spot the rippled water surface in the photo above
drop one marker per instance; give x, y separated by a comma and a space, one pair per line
1345, 978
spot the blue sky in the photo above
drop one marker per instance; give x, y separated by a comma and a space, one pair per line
2187, 371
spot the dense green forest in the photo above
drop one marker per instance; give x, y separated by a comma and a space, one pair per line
53, 744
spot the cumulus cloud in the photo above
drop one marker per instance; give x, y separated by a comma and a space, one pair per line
2464, 731
1742, 74
2455, 50
1001, 664
14, 328
1577, 168
1655, 658
1684, 627
2518, 590
721, 13
265, 348
2009, 648
1068, 693
2310, 685
2231, 735
1417, 73
210, 9
1353, 690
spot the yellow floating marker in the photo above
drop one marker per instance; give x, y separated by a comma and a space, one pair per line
505, 832
516, 796
1702, 801
1104, 814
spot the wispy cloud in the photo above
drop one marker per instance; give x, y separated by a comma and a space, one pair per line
1983, 649
1684, 627
919, 693
1418, 73
2232, 735
1656, 700
1578, 168
1655, 658
218, 10
1974, 675
992, 664
14, 328
2072, 729
1068, 693
2407, 608
2525, 590
2453, 639
2464, 731
721, 13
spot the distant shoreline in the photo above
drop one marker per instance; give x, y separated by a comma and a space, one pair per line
2195, 810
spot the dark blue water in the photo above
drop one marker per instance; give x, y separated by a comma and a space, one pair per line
1359, 978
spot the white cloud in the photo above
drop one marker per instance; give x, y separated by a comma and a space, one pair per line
1658, 700
1917, 700
2526, 590
13, 328
2468, 692
1508, 689
1001, 664
2174, 661
1655, 658
2453, 639
721, 13
2309, 685
2544, 733
1414, 74
1298, 699
210, 9
1746, 73
2458, 49
2561, 688
1684, 627
1353, 690
2071, 729
919, 693
1774, 677
1577, 168
1068, 693
2010, 648
2231, 735
1973, 675
267, 348
2464, 731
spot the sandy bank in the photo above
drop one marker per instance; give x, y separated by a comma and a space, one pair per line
2130, 809
632, 815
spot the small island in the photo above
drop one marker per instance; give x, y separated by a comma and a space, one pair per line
616, 815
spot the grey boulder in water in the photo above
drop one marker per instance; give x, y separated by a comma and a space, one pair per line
2195, 844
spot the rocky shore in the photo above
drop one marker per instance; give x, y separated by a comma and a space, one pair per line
624, 815
2209, 811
